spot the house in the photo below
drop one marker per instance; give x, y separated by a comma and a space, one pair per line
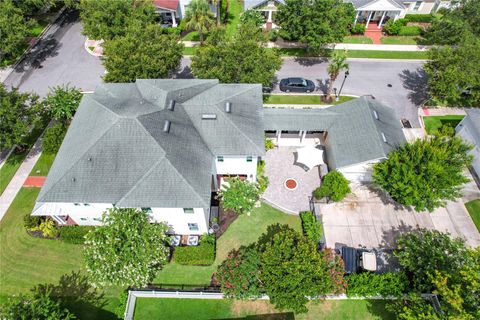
367, 11
172, 11
469, 130
166, 146
380, 11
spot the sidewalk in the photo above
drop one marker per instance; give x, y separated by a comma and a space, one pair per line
341, 46
19, 178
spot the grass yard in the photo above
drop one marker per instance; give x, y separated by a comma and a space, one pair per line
37, 28
243, 231
357, 39
180, 309
234, 11
191, 36
433, 123
473, 208
43, 164
399, 40
189, 51
300, 99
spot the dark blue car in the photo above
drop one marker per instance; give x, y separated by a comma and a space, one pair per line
297, 85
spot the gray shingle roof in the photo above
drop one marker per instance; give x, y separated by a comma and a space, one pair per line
248, 4
473, 119
354, 134
115, 150
360, 3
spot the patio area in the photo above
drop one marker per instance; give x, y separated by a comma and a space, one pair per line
279, 167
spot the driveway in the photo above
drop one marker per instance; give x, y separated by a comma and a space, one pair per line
369, 219
59, 58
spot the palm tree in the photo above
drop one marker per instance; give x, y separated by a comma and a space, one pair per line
337, 64
199, 17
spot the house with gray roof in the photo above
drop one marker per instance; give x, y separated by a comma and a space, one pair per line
165, 146
469, 130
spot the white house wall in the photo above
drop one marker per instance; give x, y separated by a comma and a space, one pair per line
361, 172
467, 136
232, 165
91, 214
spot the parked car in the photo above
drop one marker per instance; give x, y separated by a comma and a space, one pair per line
297, 85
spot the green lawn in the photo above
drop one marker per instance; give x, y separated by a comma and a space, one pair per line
357, 39
243, 231
300, 99
37, 28
182, 309
43, 164
12, 163
433, 123
234, 12
191, 36
473, 208
399, 40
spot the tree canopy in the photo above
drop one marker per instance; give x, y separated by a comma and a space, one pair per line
241, 59
239, 196
315, 23
18, 113
338, 63
454, 73
145, 53
106, 19
426, 173
127, 250
334, 185
14, 29
62, 102
199, 17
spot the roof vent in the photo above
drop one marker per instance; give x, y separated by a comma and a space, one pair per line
384, 138
166, 126
228, 107
73, 179
89, 158
209, 116
375, 114
171, 105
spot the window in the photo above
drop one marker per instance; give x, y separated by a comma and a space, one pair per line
188, 210
76, 204
97, 219
193, 226
417, 5
220, 158
83, 219
249, 159
86, 204
147, 210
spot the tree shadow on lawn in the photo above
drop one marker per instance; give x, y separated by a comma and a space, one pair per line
310, 61
377, 308
75, 293
417, 83
269, 316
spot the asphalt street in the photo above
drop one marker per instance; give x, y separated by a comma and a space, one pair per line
60, 58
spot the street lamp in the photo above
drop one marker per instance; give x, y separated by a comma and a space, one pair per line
337, 98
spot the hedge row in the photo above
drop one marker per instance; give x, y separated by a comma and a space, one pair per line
369, 284
311, 227
428, 18
201, 255
74, 234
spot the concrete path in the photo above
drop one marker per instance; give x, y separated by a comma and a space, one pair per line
19, 178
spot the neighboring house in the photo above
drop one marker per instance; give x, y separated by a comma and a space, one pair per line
166, 146
172, 11
469, 130
380, 11
355, 134
267, 8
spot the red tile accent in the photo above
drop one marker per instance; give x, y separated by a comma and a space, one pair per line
34, 181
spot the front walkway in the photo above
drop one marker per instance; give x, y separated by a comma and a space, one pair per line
279, 166
374, 33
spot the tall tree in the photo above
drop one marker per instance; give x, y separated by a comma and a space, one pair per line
241, 59
426, 173
315, 23
127, 250
62, 102
144, 53
14, 29
293, 270
199, 17
454, 73
106, 19
18, 113
239, 196
338, 63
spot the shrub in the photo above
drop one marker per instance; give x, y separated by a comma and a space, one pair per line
201, 255
252, 16
74, 234
239, 196
262, 180
31, 222
48, 229
410, 31
393, 28
428, 18
334, 185
53, 137
312, 229
269, 145
358, 29
273, 35
369, 284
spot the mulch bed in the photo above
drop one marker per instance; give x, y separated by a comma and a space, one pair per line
225, 219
